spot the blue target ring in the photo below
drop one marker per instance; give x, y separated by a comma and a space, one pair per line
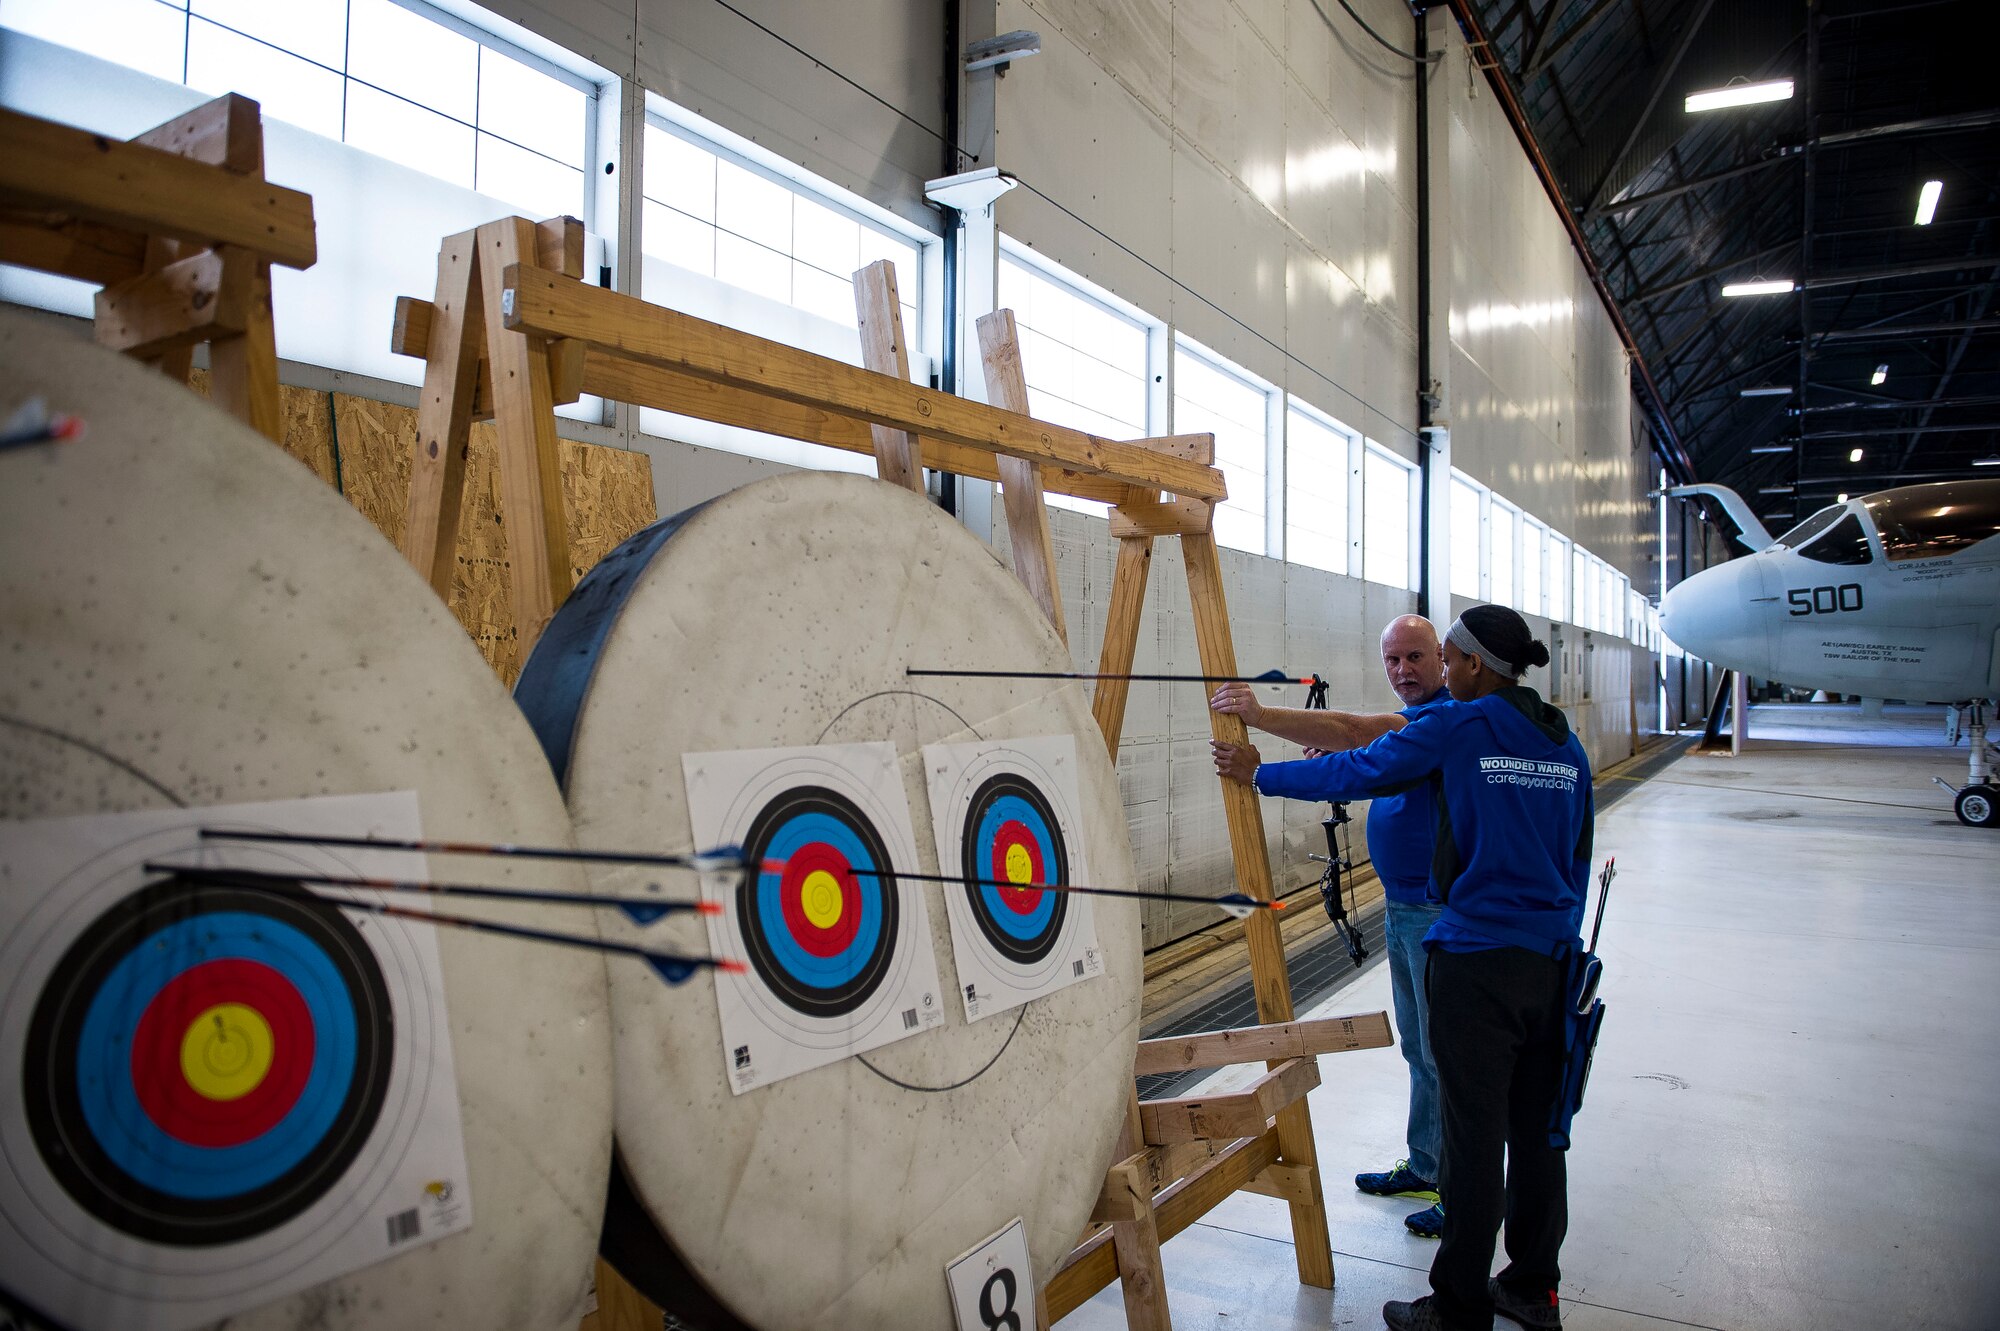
821, 933
1011, 834
132, 1136
110, 1099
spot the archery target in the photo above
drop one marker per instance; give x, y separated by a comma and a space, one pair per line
838, 948
227, 1092
1005, 813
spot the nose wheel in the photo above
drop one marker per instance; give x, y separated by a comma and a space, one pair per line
1977, 803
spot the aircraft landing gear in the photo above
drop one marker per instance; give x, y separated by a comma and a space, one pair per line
1977, 803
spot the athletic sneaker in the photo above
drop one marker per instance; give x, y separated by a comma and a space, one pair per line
1427, 1223
1538, 1312
1422, 1315
1398, 1180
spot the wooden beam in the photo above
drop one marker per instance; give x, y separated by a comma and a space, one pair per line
227, 132
548, 305
1288, 1183
1021, 479
1313, 1246
454, 334
190, 300
56, 167
1095, 1264
244, 369
878, 307
105, 255
410, 336
559, 246
524, 418
1121, 639
1127, 1193
1250, 1044
1243, 1113
1151, 517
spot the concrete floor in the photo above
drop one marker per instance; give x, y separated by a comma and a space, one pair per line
1792, 1119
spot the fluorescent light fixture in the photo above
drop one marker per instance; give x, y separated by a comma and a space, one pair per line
1881, 375
1767, 390
1740, 94
1854, 455
1776, 287
1772, 448
1993, 461
1927, 201
1774, 490
1840, 498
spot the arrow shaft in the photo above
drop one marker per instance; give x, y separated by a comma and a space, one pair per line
1142, 679
1128, 893
255, 878
472, 848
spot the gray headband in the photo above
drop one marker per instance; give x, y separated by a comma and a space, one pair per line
1461, 637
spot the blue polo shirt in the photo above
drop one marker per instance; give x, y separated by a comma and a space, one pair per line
1402, 830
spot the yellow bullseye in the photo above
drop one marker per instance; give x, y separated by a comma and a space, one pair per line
227, 1051
821, 898
1020, 864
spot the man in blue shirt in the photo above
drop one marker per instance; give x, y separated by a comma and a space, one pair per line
1512, 865
1401, 833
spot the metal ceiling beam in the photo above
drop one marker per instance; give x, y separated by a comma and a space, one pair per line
1542, 26
1912, 430
1842, 279
1893, 333
1928, 125
1686, 186
1895, 479
1535, 67
1668, 69
1907, 404
1960, 345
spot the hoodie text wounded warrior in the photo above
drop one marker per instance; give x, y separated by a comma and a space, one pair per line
1514, 813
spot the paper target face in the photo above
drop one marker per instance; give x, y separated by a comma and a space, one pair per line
1005, 814
226, 1093
839, 950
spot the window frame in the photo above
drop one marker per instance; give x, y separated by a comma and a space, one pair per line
1351, 483
1273, 398
1412, 515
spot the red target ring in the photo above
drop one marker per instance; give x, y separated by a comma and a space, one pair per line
1014, 834
806, 870
160, 1082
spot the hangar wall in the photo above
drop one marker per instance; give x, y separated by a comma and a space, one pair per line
1244, 171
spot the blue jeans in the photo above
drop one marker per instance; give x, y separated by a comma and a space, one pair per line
1404, 926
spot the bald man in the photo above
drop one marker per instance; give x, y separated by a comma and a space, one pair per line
1401, 832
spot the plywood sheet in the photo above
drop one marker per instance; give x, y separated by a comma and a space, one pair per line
308, 425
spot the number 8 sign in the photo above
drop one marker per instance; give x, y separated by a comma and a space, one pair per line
992, 1288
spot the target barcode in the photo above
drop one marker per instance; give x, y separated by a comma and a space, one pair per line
1076, 969
404, 1225
909, 1019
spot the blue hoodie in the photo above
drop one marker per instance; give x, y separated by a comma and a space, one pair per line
1402, 830
1514, 810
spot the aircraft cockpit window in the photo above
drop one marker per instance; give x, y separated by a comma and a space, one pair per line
1936, 524
1844, 543
1812, 526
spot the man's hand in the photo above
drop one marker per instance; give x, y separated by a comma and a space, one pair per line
1238, 762
1238, 700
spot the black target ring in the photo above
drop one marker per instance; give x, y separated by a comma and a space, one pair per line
201, 1195
818, 972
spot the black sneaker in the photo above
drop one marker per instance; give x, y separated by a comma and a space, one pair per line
1538, 1312
1421, 1315
1427, 1223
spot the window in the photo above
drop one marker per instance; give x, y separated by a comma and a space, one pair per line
1465, 526
405, 83
1843, 543
1084, 359
1559, 585
1212, 397
1533, 536
1386, 484
1931, 521
1317, 463
747, 227
1504, 529
1812, 526
1583, 588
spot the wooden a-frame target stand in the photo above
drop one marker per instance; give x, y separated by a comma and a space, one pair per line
512, 331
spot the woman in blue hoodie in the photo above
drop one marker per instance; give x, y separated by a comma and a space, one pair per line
1512, 789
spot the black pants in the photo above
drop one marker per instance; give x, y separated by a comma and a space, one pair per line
1497, 1034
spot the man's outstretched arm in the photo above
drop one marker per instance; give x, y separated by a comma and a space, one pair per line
1327, 731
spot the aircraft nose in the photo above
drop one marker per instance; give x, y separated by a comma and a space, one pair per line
1715, 615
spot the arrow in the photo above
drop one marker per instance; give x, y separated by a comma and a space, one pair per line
1268, 677
640, 910
1234, 904
701, 861
673, 967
